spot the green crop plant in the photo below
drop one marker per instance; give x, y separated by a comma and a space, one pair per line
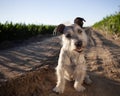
110, 24
19, 31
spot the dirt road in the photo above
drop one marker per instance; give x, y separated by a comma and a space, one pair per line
29, 70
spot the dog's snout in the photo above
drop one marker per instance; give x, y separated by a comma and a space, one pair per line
78, 44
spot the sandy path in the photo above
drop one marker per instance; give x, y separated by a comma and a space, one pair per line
19, 60
104, 57
25, 63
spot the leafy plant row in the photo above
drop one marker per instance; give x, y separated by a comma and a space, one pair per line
10, 31
110, 24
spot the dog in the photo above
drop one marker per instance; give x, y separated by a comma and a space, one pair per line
71, 63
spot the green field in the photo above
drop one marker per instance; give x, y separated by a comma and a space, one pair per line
109, 24
19, 31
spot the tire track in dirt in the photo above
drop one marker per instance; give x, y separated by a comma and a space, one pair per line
19, 60
104, 57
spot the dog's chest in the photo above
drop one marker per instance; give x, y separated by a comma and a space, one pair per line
74, 60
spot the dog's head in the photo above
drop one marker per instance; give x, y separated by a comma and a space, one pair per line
73, 37
79, 21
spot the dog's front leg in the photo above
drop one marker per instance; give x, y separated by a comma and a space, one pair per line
60, 81
79, 78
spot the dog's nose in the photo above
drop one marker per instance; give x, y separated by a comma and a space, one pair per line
78, 44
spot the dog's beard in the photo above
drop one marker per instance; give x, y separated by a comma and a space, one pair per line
73, 48
79, 49
70, 45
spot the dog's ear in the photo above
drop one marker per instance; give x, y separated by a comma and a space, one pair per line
78, 20
83, 19
60, 28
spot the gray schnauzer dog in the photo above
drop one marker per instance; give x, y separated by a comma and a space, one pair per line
71, 62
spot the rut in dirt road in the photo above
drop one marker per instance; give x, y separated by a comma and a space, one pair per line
104, 57
19, 60
30, 70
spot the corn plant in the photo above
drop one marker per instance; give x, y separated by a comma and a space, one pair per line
111, 24
19, 31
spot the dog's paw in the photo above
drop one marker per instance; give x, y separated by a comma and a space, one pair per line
80, 88
58, 90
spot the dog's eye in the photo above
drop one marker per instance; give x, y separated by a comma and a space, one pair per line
80, 31
68, 35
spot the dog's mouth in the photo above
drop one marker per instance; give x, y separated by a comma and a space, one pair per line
79, 50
